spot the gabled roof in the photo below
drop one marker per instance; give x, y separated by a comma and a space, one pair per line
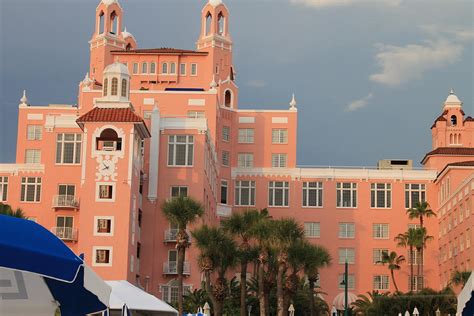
161, 51
450, 151
461, 164
469, 119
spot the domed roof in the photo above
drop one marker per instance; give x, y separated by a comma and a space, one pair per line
452, 100
215, 3
126, 34
339, 300
109, 2
117, 68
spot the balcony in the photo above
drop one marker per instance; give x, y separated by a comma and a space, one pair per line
65, 233
171, 267
65, 201
170, 235
224, 210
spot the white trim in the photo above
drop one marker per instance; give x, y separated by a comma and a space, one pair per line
34, 117
15, 169
130, 156
246, 120
51, 106
112, 225
114, 192
183, 123
196, 102
94, 253
154, 155
279, 120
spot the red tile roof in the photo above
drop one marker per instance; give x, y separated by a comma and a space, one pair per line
162, 50
440, 118
110, 115
469, 163
450, 151
469, 119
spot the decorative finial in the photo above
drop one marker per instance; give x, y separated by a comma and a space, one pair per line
24, 99
293, 102
125, 30
215, 3
451, 91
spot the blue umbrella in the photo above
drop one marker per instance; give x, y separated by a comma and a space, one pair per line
38, 273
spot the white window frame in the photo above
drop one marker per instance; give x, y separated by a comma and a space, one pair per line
94, 256
225, 158
172, 65
340, 191
410, 191
317, 188
96, 225
189, 145
312, 229
164, 68
194, 69
381, 282
378, 230
135, 68
179, 188
76, 157
344, 230
375, 191
3, 189
280, 136
181, 67
350, 281
377, 255
97, 192
32, 156
226, 134
196, 114
251, 187
153, 68
37, 189
144, 68
347, 255
245, 160
224, 184
272, 193
279, 160
34, 132
246, 136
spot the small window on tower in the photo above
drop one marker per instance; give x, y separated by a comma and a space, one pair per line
106, 82
128, 47
113, 23
221, 23
124, 88
208, 23
454, 120
228, 98
114, 89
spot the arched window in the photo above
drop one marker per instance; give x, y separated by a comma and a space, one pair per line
459, 139
232, 76
101, 22
124, 88
228, 98
454, 120
144, 68
221, 24
109, 141
152, 68
164, 68
106, 83
208, 23
113, 23
128, 47
451, 139
114, 89
172, 68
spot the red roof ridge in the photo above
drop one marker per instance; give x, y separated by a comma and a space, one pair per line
450, 151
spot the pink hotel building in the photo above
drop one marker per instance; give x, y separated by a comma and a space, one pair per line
155, 123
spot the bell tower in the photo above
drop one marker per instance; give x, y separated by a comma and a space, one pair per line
106, 38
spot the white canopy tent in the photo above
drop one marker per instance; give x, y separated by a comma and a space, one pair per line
466, 298
139, 302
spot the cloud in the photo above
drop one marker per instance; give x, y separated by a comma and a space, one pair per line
400, 64
333, 3
359, 104
256, 83
453, 33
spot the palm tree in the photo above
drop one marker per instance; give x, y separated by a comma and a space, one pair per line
240, 225
365, 303
421, 239
408, 239
459, 278
420, 211
393, 260
7, 210
218, 254
182, 211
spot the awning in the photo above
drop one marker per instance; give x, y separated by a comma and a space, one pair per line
466, 298
137, 300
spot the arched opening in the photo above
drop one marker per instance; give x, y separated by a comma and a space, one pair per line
106, 83
454, 120
144, 68
221, 24
459, 139
113, 23
109, 141
228, 98
124, 88
232, 76
114, 89
128, 47
451, 139
164, 68
208, 23
101, 22
152, 68
172, 68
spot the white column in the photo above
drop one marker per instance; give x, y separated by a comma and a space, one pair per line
154, 155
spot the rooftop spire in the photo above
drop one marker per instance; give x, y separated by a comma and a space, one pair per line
24, 99
293, 103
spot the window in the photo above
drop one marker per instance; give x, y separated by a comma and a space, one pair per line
220, 24
346, 194
152, 68
226, 133
228, 98
164, 68
279, 160
102, 256
312, 230
3, 189
380, 231
33, 156
124, 88
66, 190
170, 292
196, 114
106, 192
224, 190
109, 141
106, 86
346, 254
312, 194
350, 281
381, 282
245, 160
180, 150
135, 68
30, 189
377, 255
279, 136
68, 148
415, 283
172, 68
414, 193
225, 158
454, 120
182, 69
381, 195
34, 132
246, 135
144, 68
194, 69
346, 230
104, 225
278, 192
245, 193
64, 225
114, 89
179, 191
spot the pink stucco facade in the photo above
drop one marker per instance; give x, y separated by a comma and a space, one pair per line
152, 123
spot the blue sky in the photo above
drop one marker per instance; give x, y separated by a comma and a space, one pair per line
370, 76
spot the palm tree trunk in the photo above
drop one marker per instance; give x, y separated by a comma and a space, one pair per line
311, 295
180, 267
243, 288
393, 280
411, 268
261, 290
422, 268
215, 303
418, 272
280, 301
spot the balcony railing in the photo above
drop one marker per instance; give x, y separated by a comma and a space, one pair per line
171, 267
65, 201
224, 210
170, 235
65, 233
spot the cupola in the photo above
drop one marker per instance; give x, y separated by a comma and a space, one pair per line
116, 85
